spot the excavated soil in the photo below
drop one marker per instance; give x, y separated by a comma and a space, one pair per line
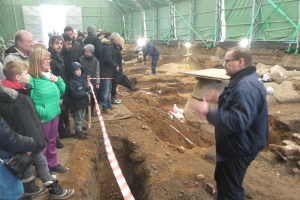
156, 161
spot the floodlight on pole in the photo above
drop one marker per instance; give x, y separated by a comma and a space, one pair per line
244, 42
141, 41
187, 45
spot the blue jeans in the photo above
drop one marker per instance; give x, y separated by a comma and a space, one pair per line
11, 188
154, 63
105, 90
229, 176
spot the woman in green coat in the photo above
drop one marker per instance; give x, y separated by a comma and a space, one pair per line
47, 90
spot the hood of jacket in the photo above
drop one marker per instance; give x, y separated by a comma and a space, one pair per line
91, 30
10, 50
10, 92
74, 66
14, 51
106, 41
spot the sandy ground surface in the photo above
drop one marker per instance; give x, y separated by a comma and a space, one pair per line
151, 159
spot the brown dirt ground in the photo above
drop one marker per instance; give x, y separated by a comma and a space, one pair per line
150, 160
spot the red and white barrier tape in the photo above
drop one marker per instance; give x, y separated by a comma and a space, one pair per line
111, 156
142, 91
102, 78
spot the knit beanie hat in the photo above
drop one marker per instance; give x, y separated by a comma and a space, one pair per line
89, 47
91, 29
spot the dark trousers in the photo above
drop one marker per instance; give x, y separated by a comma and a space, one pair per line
114, 87
64, 121
154, 63
229, 176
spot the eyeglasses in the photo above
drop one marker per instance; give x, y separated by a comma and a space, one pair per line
227, 61
47, 59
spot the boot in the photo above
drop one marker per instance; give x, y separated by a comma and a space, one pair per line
108, 112
59, 169
31, 189
81, 135
114, 100
113, 108
59, 145
57, 192
66, 134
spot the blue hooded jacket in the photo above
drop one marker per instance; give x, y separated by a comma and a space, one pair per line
241, 120
78, 89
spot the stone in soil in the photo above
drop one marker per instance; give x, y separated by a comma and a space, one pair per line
295, 171
210, 188
200, 177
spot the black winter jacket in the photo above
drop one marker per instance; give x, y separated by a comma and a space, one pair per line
76, 45
241, 120
108, 59
78, 89
12, 143
58, 69
19, 111
69, 57
94, 40
119, 58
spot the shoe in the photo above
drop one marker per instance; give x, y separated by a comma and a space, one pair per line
118, 99
114, 100
108, 112
94, 113
59, 145
81, 135
31, 189
152, 74
57, 192
59, 169
84, 128
113, 108
66, 134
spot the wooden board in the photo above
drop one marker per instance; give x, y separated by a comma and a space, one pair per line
120, 113
215, 74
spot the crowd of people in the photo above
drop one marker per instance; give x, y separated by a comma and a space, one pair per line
39, 89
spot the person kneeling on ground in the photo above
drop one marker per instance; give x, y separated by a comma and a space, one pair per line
92, 68
16, 85
79, 92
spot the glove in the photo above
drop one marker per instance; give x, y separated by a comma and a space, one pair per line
88, 92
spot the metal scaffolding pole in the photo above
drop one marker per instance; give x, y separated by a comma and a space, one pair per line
121, 14
172, 19
155, 21
253, 31
192, 18
218, 23
143, 22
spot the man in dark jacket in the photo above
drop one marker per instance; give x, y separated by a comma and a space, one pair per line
241, 122
79, 92
69, 54
108, 68
94, 40
150, 49
75, 44
58, 69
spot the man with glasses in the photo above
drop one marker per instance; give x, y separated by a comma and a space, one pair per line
241, 122
58, 69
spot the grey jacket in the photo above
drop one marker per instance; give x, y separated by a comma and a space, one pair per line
18, 56
92, 68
